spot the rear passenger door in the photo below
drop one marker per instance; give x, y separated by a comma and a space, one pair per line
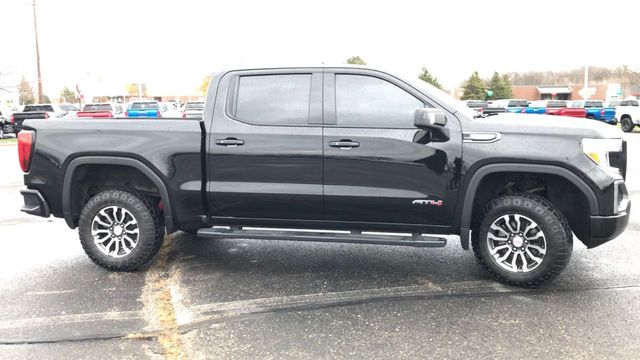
378, 167
265, 146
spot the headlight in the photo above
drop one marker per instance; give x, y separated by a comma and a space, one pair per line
598, 151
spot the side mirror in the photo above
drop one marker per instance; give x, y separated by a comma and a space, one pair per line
429, 118
433, 121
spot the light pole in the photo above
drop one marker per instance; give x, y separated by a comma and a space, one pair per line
35, 28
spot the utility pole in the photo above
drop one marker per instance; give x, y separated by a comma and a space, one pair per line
35, 28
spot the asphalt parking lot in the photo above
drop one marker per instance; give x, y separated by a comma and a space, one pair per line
273, 299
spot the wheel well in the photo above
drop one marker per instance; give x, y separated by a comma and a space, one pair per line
625, 116
90, 179
562, 193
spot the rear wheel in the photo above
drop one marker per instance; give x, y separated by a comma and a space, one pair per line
522, 240
626, 124
119, 230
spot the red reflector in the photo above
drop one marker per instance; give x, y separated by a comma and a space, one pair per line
25, 145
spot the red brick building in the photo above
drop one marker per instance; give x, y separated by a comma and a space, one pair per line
558, 92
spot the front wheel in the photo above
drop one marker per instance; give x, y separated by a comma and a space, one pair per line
119, 230
626, 124
522, 240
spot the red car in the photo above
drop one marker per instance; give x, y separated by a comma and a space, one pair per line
559, 107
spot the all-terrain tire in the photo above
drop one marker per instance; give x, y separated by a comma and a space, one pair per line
626, 124
552, 223
149, 224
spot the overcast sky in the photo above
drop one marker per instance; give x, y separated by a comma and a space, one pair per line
172, 45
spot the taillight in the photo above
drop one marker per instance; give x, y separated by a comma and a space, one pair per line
159, 114
46, 115
26, 140
109, 114
184, 114
126, 113
523, 110
602, 112
13, 119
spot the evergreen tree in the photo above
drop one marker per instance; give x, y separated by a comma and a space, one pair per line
426, 76
473, 88
506, 86
496, 85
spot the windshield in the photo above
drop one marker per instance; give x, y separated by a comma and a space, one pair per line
67, 107
442, 97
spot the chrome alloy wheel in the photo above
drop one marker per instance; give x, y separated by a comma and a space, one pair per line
516, 243
115, 231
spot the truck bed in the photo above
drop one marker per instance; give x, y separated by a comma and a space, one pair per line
171, 148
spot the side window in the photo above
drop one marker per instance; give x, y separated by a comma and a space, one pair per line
366, 101
274, 99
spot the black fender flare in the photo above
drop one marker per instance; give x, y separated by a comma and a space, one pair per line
114, 160
478, 175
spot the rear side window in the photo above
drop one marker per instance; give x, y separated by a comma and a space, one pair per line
366, 101
274, 99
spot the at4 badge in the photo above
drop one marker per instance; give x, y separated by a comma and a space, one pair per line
428, 202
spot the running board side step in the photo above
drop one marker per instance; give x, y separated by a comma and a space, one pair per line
416, 240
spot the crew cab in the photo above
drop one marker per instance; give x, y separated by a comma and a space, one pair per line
627, 113
100, 110
143, 109
38, 111
595, 110
333, 154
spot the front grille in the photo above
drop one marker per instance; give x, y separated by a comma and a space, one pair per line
619, 160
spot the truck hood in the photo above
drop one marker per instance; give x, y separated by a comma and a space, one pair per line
547, 125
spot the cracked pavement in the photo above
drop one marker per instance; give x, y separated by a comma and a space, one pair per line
238, 299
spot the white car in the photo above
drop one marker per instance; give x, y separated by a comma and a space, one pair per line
627, 113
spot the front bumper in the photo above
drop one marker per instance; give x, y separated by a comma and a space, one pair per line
34, 203
605, 228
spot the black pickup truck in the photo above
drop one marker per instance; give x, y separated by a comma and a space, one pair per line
337, 155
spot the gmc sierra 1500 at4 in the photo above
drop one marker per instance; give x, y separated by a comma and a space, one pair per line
333, 154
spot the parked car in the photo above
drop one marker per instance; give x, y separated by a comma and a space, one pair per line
285, 149
100, 110
70, 109
193, 110
512, 105
143, 109
537, 107
170, 109
595, 110
627, 113
5, 123
38, 111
